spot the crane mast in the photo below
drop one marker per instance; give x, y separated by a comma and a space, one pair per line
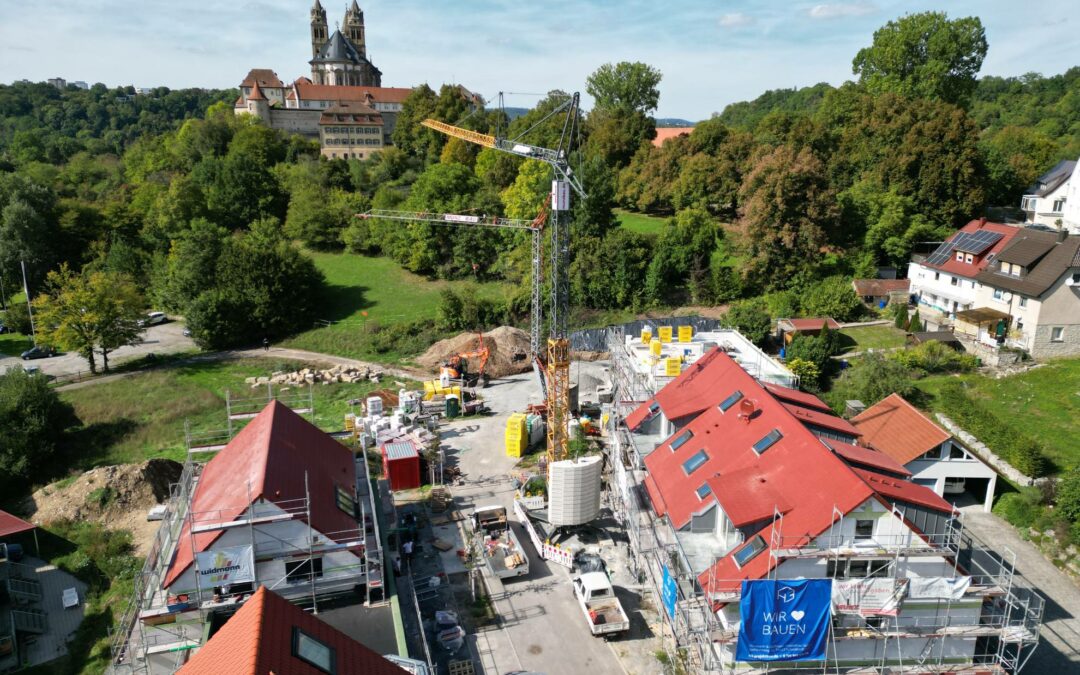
564, 180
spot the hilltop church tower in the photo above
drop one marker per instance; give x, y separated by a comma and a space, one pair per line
340, 58
319, 30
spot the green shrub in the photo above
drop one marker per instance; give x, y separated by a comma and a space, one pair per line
935, 357
901, 316
17, 317
1017, 508
915, 326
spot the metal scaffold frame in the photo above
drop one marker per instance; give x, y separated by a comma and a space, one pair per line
1009, 617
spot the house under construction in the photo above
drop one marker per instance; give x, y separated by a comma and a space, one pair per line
281, 505
722, 476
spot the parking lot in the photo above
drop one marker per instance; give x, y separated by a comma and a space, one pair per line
166, 338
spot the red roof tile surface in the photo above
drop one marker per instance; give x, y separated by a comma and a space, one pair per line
800, 398
866, 457
10, 525
825, 420
687, 394
264, 77
963, 269
258, 640
667, 133
272, 454
812, 325
305, 91
798, 474
898, 429
256, 94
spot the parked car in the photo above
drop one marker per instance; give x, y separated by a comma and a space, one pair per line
187, 332
153, 319
38, 352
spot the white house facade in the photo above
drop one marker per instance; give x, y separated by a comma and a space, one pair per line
1044, 203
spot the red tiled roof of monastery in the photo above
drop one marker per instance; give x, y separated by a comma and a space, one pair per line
264, 77
326, 92
258, 640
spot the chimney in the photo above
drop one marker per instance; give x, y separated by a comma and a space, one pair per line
1063, 234
982, 221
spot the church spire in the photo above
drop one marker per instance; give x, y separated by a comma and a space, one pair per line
353, 28
319, 30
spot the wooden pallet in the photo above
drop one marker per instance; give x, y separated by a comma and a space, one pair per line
461, 668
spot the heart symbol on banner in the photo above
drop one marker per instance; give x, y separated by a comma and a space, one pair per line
798, 615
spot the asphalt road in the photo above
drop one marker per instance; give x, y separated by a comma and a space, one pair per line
166, 338
542, 628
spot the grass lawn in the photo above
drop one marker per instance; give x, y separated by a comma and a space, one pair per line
13, 344
862, 338
1043, 403
639, 222
140, 417
365, 289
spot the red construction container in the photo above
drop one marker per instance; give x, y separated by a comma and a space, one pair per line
401, 464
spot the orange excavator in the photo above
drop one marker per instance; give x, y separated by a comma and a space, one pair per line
457, 366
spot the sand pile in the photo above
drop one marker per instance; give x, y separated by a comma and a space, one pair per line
508, 351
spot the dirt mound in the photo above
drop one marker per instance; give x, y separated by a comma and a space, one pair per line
116, 496
508, 351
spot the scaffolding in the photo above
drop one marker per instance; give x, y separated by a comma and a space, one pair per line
160, 626
999, 611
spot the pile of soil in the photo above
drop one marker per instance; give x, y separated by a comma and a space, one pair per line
118, 497
508, 350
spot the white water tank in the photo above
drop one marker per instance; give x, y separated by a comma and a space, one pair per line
574, 491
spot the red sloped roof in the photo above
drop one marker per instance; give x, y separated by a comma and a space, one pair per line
749, 495
667, 133
272, 454
813, 324
867, 457
687, 394
264, 77
327, 92
800, 398
256, 93
962, 269
822, 419
258, 640
10, 525
795, 465
898, 490
896, 428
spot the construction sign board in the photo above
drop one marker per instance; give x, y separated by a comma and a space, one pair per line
225, 566
784, 620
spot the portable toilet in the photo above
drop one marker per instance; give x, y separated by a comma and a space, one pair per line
453, 407
401, 464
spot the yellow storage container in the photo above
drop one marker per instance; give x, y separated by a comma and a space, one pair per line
646, 335
655, 347
672, 367
517, 435
686, 333
665, 334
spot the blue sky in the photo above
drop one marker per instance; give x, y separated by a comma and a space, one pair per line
711, 53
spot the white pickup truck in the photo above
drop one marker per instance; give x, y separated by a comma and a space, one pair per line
603, 611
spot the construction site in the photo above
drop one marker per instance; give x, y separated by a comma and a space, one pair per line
665, 492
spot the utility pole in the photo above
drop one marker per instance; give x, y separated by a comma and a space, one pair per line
29, 307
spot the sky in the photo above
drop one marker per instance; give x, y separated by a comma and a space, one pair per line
711, 53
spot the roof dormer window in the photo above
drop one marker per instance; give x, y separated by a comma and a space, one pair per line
730, 401
768, 441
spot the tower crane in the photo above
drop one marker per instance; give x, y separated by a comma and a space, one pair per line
534, 226
564, 180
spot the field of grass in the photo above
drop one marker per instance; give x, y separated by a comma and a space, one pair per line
366, 290
13, 344
639, 222
141, 417
1043, 403
862, 338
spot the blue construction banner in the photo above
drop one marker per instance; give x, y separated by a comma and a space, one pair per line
669, 594
784, 620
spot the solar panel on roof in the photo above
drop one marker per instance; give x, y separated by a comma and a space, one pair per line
941, 254
975, 242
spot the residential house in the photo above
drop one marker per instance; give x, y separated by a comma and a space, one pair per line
1029, 297
764, 482
350, 131
271, 635
877, 291
786, 329
943, 283
1044, 202
932, 456
1071, 213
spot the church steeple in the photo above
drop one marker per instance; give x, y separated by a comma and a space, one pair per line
319, 30
353, 28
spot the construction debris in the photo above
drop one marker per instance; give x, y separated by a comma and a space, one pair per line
312, 375
508, 351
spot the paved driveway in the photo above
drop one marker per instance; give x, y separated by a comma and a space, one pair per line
1059, 647
166, 338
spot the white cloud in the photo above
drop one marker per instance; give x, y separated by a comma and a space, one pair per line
735, 20
840, 10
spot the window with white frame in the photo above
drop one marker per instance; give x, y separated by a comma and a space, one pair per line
1057, 334
1059, 205
960, 256
998, 294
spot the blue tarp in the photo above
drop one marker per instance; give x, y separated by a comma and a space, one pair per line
669, 594
784, 620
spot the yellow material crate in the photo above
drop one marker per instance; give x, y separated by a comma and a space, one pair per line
517, 435
665, 334
686, 333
